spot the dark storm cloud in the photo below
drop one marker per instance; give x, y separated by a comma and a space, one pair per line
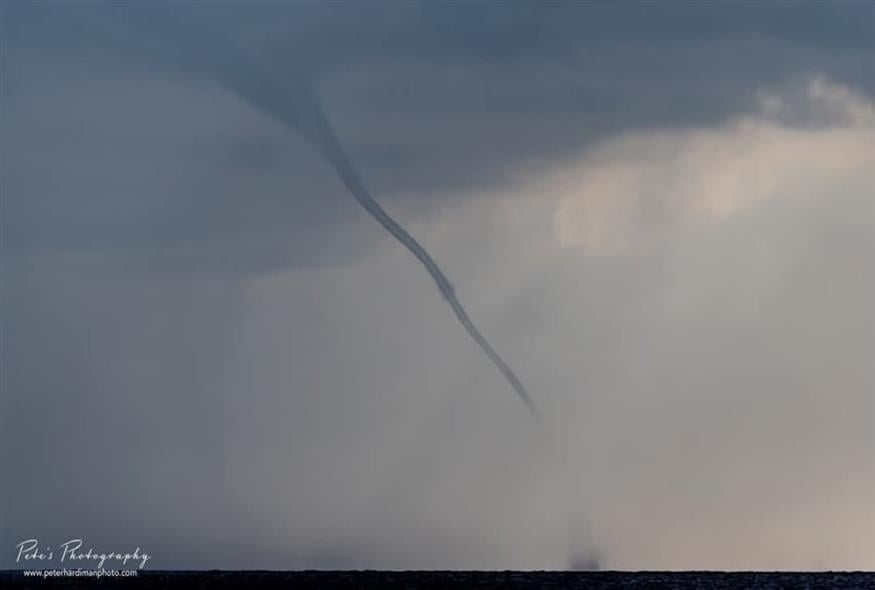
116, 140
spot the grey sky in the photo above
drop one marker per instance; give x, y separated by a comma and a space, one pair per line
663, 218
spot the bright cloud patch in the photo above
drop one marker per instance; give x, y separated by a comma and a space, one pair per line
822, 143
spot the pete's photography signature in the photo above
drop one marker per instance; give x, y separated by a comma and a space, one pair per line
30, 552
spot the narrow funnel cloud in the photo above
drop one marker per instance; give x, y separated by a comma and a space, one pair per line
329, 146
295, 106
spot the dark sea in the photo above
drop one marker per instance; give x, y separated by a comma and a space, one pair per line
417, 580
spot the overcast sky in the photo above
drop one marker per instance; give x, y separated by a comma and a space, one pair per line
661, 214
